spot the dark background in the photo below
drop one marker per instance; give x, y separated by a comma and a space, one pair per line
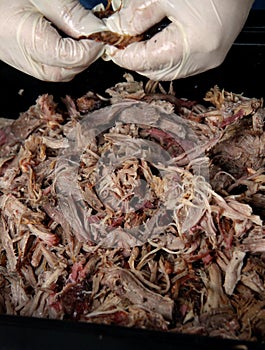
259, 4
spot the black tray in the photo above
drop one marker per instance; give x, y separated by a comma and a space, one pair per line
19, 333
242, 72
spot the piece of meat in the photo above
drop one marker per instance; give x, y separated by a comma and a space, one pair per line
126, 286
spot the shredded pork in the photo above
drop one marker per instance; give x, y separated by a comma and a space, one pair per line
142, 210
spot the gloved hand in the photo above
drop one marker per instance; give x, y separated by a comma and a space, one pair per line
30, 42
199, 37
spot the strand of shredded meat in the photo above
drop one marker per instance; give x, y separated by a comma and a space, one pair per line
196, 267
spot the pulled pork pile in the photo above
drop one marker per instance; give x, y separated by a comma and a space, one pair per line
142, 210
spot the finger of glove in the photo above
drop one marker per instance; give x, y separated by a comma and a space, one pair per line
43, 47
70, 17
135, 17
157, 58
196, 41
169, 55
62, 71
53, 74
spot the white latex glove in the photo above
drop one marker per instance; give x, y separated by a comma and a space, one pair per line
199, 37
29, 41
